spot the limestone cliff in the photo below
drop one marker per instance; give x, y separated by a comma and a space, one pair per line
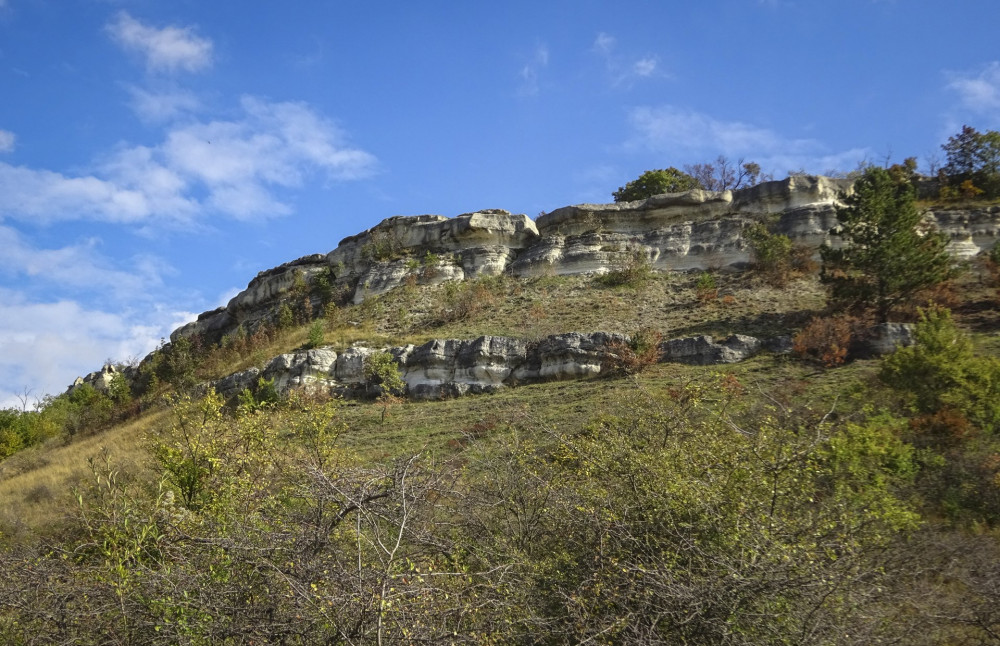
682, 231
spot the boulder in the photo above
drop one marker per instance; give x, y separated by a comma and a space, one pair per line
883, 339
704, 351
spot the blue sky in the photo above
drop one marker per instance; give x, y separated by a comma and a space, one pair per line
155, 155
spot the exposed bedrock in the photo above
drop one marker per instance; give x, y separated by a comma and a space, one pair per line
444, 368
439, 368
681, 231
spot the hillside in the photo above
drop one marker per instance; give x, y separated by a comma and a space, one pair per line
599, 433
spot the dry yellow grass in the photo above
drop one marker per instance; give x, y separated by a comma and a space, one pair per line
36, 485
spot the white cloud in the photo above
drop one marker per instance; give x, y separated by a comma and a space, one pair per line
229, 167
158, 107
644, 67
692, 135
79, 267
47, 195
604, 43
979, 92
169, 49
43, 342
619, 69
7, 139
530, 72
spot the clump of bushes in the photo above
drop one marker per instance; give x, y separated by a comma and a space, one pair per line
826, 340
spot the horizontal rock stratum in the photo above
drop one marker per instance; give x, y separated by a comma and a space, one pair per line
680, 231
444, 368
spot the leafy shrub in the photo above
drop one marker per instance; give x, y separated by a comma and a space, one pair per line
382, 245
630, 268
771, 253
706, 289
382, 373
655, 182
465, 300
826, 340
286, 317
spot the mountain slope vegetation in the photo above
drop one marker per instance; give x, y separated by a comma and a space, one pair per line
810, 497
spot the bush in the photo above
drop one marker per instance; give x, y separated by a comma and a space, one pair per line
826, 340
706, 288
382, 245
656, 182
771, 253
315, 334
633, 356
465, 300
382, 373
630, 268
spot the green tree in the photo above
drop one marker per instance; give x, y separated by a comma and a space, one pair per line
973, 157
655, 182
888, 254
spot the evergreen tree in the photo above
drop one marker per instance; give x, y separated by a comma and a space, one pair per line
889, 253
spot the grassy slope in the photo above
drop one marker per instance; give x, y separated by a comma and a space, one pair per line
36, 485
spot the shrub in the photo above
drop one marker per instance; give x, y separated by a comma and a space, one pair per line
655, 182
706, 288
771, 253
630, 268
382, 245
315, 334
382, 373
466, 300
286, 317
826, 340
633, 356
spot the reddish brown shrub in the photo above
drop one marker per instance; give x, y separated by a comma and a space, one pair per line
633, 356
826, 340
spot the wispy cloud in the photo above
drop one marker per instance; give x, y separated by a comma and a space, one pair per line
169, 49
162, 106
979, 91
228, 167
622, 69
531, 70
79, 268
696, 136
7, 138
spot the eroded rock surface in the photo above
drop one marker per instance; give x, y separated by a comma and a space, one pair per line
682, 231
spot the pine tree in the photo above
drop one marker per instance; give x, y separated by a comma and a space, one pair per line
889, 253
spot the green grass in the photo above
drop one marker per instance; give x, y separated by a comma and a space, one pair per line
36, 484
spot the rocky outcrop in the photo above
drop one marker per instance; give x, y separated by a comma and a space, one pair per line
101, 379
444, 368
703, 351
682, 231
438, 368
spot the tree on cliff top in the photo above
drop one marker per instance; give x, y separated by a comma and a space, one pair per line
655, 182
889, 254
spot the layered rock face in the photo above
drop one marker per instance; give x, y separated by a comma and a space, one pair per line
437, 369
682, 231
445, 368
